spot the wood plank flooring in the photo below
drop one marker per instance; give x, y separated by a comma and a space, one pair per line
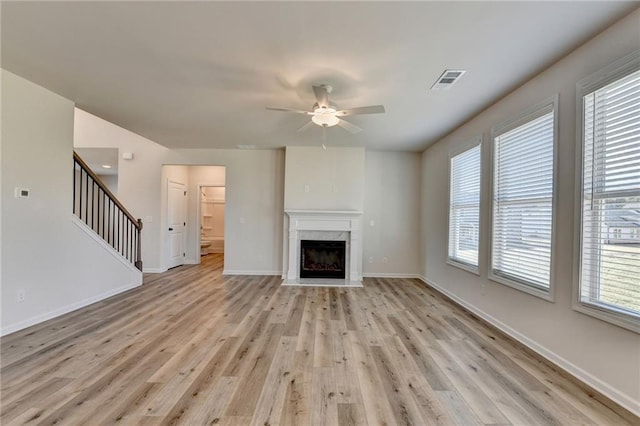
194, 347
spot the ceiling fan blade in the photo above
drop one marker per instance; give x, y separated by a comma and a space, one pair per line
306, 126
372, 109
348, 126
298, 111
322, 96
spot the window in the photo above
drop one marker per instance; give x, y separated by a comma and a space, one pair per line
523, 193
464, 208
609, 275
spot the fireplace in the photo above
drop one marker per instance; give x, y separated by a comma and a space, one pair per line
333, 226
322, 259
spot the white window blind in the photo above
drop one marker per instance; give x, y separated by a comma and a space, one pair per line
523, 202
610, 245
464, 207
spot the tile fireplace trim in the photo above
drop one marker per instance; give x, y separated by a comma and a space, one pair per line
348, 222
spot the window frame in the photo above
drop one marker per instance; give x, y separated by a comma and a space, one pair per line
529, 114
609, 74
470, 144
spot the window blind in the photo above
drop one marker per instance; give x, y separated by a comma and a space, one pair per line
464, 207
610, 245
522, 202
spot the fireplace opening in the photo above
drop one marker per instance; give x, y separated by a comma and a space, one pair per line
322, 259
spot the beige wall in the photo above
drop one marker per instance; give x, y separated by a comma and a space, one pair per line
392, 201
605, 356
338, 178
385, 186
319, 179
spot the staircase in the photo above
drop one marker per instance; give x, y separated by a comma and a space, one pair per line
101, 211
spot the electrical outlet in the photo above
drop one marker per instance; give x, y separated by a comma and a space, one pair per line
371, 259
242, 220
385, 260
21, 294
306, 188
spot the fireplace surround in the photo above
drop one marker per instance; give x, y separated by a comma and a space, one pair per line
324, 225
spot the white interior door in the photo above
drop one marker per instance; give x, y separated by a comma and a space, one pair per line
177, 222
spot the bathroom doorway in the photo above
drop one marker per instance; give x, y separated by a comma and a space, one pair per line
211, 217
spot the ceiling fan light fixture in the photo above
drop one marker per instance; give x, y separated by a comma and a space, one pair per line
325, 116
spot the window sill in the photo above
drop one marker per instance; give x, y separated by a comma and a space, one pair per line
540, 293
625, 321
472, 269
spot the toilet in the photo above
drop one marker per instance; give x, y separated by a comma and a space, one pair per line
204, 245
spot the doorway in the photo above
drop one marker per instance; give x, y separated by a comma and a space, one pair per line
195, 181
211, 215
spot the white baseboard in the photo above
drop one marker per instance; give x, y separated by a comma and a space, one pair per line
66, 309
153, 270
389, 275
615, 395
240, 272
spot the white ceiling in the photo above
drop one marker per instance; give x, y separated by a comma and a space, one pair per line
200, 74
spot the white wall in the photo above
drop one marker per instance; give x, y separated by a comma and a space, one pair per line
254, 194
44, 252
603, 355
139, 179
111, 182
253, 206
255, 185
334, 177
392, 202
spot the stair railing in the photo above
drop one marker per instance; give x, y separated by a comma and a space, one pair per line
99, 209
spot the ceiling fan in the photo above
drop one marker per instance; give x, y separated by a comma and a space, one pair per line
325, 114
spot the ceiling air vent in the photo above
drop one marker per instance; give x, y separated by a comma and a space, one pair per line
447, 79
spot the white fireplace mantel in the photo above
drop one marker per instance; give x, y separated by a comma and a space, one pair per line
341, 225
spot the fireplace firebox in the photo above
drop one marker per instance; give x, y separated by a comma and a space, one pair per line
322, 259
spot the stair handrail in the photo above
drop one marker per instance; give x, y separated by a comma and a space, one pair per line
135, 222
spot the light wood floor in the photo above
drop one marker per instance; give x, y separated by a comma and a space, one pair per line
193, 347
